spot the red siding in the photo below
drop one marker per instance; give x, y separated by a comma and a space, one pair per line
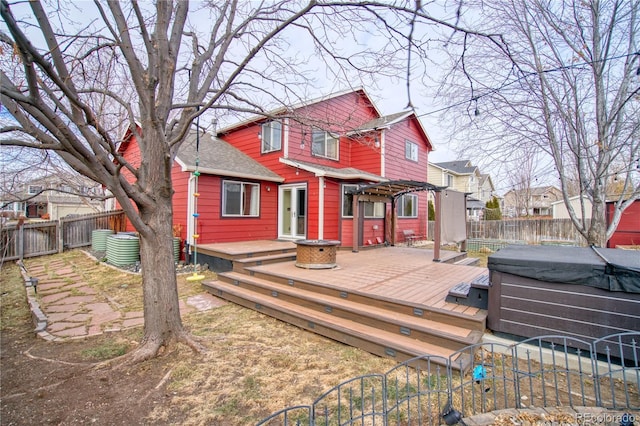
332, 208
339, 114
628, 230
180, 201
214, 228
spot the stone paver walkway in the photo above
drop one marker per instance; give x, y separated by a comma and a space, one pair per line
67, 307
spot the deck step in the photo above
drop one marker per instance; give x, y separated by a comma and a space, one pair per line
371, 339
239, 265
475, 293
442, 333
468, 261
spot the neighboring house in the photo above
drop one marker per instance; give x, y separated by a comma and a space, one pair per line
559, 209
55, 196
289, 177
462, 176
531, 202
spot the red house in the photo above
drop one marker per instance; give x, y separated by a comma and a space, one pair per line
289, 177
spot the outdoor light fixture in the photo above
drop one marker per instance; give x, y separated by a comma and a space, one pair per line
377, 142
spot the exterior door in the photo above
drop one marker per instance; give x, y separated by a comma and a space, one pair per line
292, 212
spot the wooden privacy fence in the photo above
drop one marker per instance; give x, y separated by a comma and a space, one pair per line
18, 241
523, 231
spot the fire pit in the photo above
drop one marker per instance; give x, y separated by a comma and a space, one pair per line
316, 254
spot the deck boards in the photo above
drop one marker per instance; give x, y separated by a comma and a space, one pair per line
396, 274
389, 300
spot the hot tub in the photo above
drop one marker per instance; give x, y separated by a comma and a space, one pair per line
316, 254
579, 292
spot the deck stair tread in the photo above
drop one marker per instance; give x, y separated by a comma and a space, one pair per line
277, 256
469, 261
460, 290
415, 323
253, 254
404, 344
481, 282
474, 293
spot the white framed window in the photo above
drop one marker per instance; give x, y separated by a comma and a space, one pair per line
449, 180
324, 144
408, 205
411, 150
271, 134
240, 199
34, 189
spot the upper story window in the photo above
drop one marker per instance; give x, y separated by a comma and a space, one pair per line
408, 205
411, 150
240, 199
271, 136
449, 180
34, 189
324, 144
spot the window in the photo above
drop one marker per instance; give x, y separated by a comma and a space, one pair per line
34, 189
408, 206
411, 151
371, 209
271, 136
449, 180
347, 200
323, 144
240, 199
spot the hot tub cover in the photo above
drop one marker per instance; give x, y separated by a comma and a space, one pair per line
609, 269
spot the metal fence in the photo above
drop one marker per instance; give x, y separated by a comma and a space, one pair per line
21, 240
532, 373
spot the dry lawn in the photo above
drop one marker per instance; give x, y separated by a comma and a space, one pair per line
254, 365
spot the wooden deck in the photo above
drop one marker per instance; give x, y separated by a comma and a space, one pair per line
389, 300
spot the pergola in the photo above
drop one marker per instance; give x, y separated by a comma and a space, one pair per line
390, 191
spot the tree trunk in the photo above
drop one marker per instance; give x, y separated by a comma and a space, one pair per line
162, 322
597, 234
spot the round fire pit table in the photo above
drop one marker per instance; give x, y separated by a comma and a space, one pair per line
316, 254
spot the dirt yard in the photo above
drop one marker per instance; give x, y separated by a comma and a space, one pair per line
254, 366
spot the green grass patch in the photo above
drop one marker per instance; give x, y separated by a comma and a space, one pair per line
108, 349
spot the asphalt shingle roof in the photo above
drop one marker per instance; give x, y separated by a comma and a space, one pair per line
218, 157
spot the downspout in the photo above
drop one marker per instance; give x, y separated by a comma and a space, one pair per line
285, 138
321, 183
383, 164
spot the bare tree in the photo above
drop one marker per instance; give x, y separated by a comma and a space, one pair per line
568, 85
69, 90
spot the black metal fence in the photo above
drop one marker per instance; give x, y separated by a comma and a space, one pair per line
548, 371
22, 240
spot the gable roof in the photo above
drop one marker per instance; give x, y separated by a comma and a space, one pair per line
382, 122
217, 157
461, 167
387, 121
327, 171
285, 109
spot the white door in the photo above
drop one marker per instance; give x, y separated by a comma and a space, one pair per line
292, 212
